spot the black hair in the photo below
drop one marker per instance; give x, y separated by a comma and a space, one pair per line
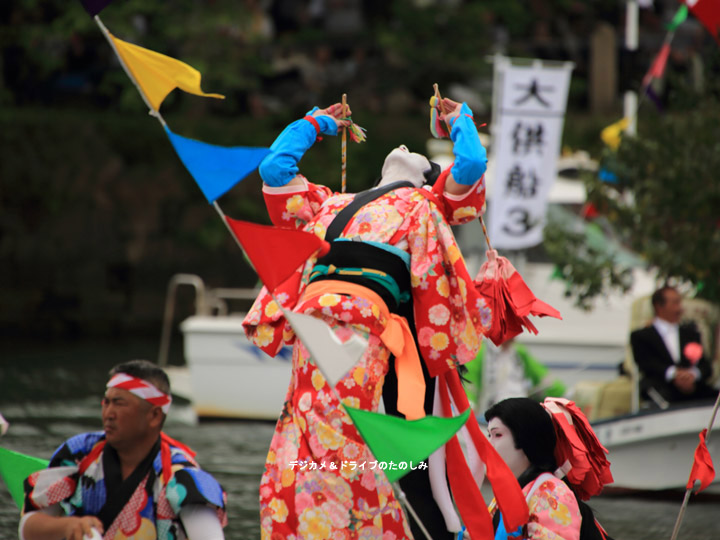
658, 297
147, 371
432, 174
533, 432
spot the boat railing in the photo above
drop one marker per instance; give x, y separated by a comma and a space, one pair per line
208, 301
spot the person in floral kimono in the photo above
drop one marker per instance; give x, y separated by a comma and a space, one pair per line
523, 433
129, 480
393, 261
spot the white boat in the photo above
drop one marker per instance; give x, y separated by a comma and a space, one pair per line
224, 376
654, 450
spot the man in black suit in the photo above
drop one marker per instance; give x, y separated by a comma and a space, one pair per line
662, 354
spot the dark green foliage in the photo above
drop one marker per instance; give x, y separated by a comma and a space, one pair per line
585, 262
665, 205
667, 202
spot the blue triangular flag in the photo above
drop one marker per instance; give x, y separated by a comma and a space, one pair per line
216, 169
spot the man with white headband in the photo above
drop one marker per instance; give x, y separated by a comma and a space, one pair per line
129, 480
392, 252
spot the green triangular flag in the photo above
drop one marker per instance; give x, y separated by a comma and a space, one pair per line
680, 15
15, 468
404, 442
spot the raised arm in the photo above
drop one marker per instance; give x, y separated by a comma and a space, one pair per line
280, 166
470, 155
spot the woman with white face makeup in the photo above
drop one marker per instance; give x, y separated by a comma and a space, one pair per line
523, 434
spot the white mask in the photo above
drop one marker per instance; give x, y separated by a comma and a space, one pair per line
503, 441
401, 164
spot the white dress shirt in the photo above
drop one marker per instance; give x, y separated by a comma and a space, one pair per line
670, 334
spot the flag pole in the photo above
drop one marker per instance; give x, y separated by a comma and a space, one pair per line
106, 33
344, 145
688, 491
630, 103
404, 500
217, 208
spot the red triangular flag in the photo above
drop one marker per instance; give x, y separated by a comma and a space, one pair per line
275, 253
708, 13
658, 66
702, 468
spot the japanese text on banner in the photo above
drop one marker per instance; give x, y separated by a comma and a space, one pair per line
530, 114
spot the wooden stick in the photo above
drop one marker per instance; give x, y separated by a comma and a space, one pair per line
344, 145
487, 238
404, 501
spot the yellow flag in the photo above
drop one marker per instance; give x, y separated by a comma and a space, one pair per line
611, 134
157, 74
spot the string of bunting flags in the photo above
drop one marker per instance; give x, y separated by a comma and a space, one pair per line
275, 254
215, 169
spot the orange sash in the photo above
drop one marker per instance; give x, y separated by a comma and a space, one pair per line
396, 336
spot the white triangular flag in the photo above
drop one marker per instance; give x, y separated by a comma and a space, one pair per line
333, 357
4, 425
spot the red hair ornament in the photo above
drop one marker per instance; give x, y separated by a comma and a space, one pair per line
579, 454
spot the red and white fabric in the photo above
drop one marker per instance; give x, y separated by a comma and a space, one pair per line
141, 389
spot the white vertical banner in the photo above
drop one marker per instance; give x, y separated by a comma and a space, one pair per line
530, 106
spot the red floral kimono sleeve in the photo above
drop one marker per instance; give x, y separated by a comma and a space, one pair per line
450, 316
290, 207
294, 206
459, 209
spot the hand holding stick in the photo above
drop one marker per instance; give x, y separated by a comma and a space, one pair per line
447, 109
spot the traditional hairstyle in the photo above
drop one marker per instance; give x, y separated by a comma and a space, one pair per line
532, 429
432, 174
147, 371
